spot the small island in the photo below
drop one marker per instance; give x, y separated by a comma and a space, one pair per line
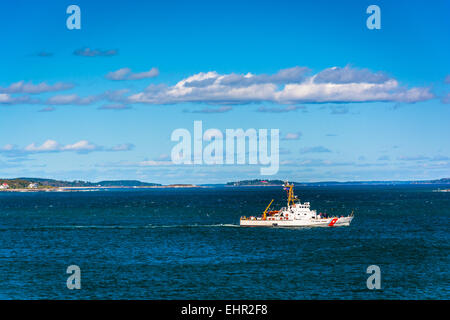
268, 183
39, 185
255, 183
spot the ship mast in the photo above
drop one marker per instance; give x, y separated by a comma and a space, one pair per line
291, 197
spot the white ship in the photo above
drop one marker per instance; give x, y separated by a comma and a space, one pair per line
296, 214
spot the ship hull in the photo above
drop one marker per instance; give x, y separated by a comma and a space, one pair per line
328, 222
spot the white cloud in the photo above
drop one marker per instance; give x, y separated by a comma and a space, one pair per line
153, 72
118, 74
83, 145
287, 86
71, 99
9, 99
49, 146
390, 90
349, 75
30, 88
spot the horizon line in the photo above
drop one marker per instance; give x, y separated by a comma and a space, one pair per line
231, 181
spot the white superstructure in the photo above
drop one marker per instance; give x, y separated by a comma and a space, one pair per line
295, 214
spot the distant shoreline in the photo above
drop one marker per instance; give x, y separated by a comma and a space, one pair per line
81, 189
51, 185
92, 189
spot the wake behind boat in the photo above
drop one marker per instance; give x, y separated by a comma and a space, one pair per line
296, 214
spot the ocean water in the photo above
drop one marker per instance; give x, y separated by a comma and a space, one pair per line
186, 244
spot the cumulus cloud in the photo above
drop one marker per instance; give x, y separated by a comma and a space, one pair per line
30, 88
50, 146
349, 75
127, 74
288, 86
352, 92
87, 52
291, 75
10, 100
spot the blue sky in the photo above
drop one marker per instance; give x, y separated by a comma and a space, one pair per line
101, 102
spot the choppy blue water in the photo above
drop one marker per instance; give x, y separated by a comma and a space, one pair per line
185, 244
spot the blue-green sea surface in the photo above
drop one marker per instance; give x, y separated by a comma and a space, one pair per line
186, 244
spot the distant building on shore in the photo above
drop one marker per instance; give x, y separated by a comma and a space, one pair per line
4, 186
32, 186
